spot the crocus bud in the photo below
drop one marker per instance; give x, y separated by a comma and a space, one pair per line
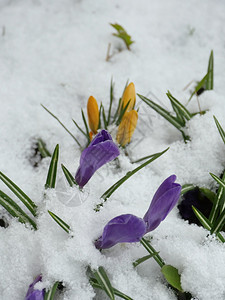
129, 95
127, 127
93, 114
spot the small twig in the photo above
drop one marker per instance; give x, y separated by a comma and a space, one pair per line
108, 56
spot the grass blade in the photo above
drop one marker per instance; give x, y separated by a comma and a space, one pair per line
96, 285
49, 295
219, 223
164, 113
62, 125
186, 188
69, 177
205, 223
122, 112
42, 148
220, 129
20, 194
181, 108
60, 222
209, 81
15, 210
111, 101
144, 258
79, 128
104, 281
52, 171
104, 117
86, 126
114, 187
152, 252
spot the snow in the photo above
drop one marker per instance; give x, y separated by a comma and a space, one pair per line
53, 52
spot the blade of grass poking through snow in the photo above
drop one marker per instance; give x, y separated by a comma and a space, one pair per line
104, 281
42, 148
144, 258
122, 112
209, 80
122, 34
62, 125
164, 113
205, 223
50, 294
86, 126
15, 210
80, 129
115, 186
111, 101
152, 252
69, 177
60, 222
200, 85
172, 276
183, 112
96, 285
52, 171
143, 158
104, 116
219, 223
220, 129
20, 194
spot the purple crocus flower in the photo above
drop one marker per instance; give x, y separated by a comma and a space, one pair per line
33, 294
101, 150
129, 228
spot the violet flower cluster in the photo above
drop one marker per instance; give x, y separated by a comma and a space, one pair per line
128, 228
100, 151
32, 293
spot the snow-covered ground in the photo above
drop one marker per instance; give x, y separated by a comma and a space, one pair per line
53, 52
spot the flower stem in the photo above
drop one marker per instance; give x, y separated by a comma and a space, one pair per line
152, 251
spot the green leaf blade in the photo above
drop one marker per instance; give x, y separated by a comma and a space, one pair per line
52, 171
69, 177
60, 222
172, 276
50, 294
104, 281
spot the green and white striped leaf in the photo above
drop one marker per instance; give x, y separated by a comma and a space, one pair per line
104, 281
219, 223
210, 71
60, 222
180, 107
96, 285
220, 129
49, 295
20, 194
205, 223
172, 276
69, 177
187, 187
15, 210
160, 110
52, 171
42, 148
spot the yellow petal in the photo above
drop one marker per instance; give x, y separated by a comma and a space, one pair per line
129, 94
93, 114
127, 127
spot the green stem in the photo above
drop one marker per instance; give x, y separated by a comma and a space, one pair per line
152, 251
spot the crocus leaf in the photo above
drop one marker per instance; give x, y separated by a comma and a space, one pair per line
205, 223
220, 200
172, 276
95, 284
122, 112
200, 85
160, 110
104, 117
79, 128
122, 34
115, 186
49, 295
69, 177
42, 148
52, 171
219, 223
86, 126
208, 193
60, 222
111, 101
15, 210
186, 188
20, 194
144, 258
209, 80
183, 112
104, 281
62, 125
152, 252
220, 129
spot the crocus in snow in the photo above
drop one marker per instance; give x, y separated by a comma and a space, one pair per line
100, 151
129, 95
129, 228
93, 114
32, 293
127, 127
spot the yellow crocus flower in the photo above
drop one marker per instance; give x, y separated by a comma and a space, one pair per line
127, 127
129, 94
93, 114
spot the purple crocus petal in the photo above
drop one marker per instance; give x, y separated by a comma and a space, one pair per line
122, 229
162, 203
100, 151
33, 294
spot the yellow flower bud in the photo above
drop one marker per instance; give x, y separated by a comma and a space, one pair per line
129, 94
93, 114
127, 127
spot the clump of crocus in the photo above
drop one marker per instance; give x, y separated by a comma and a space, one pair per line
32, 293
93, 114
100, 151
128, 228
129, 120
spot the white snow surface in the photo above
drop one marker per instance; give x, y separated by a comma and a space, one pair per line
53, 52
